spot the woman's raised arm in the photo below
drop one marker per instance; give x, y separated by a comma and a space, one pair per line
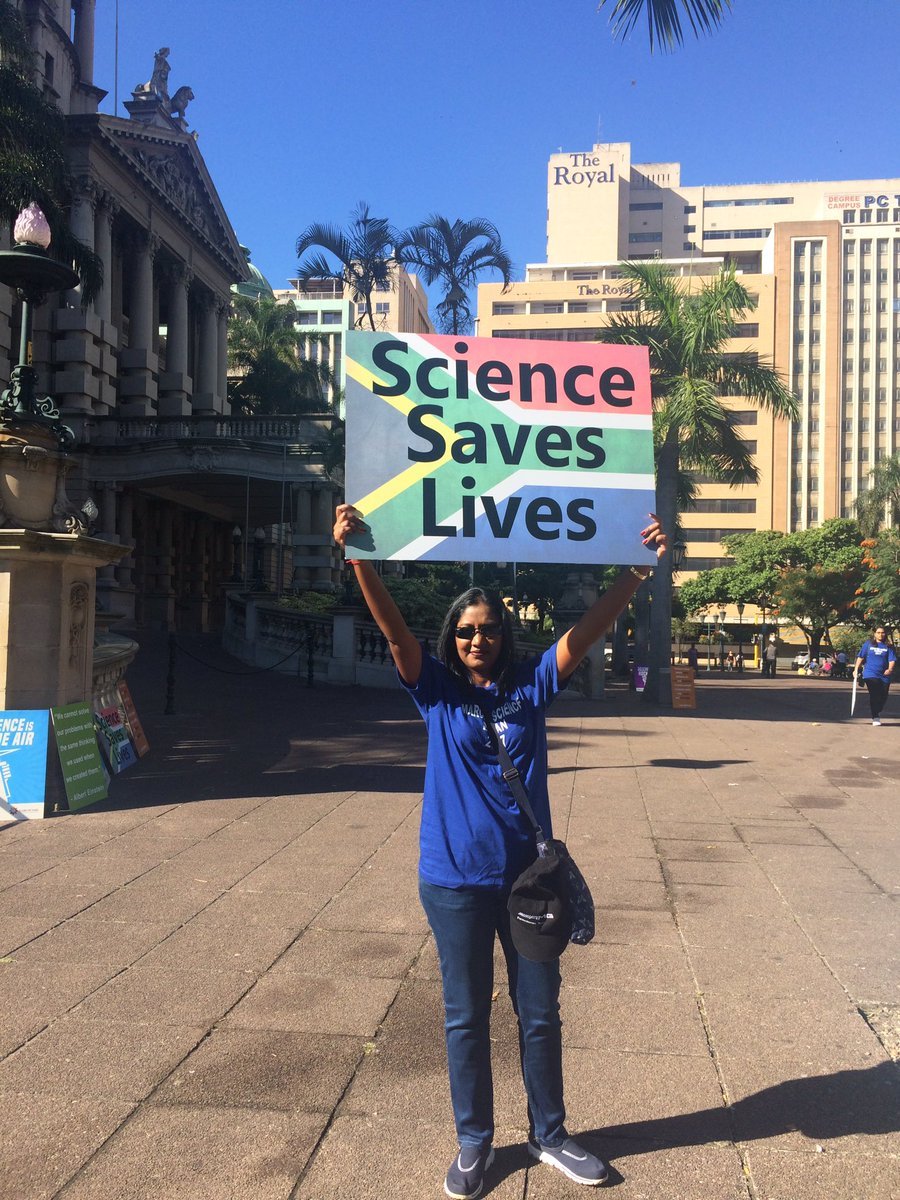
405, 650
574, 645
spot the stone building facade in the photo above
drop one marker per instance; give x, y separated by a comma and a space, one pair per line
140, 373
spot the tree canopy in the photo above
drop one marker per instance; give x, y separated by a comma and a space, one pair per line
664, 21
268, 359
809, 578
361, 257
454, 255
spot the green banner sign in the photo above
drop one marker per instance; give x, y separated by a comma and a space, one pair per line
83, 771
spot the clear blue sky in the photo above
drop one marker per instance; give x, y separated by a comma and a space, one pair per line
305, 107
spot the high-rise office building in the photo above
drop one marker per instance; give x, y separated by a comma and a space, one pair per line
823, 260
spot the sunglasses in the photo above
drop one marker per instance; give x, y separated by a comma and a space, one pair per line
465, 633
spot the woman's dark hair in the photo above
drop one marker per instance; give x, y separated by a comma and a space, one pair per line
446, 647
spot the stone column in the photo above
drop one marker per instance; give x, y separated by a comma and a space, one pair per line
204, 400
126, 565
138, 387
106, 576
81, 221
222, 310
84, 39
321, 522
106, 214
174, 383
302, 577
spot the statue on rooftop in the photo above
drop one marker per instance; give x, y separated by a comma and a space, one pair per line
159, 80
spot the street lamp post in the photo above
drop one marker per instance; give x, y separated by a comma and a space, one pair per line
32, 274
710, 622
722, 639
740, 612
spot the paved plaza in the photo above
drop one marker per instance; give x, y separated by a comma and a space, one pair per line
220, 985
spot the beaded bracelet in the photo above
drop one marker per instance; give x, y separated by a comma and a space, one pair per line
639, 574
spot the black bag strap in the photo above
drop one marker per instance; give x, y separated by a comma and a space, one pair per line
512, 776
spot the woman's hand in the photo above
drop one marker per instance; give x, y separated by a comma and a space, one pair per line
654, 536
347, 521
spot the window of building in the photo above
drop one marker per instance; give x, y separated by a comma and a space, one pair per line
331, 318
690, 208
882, 216
307, 318
848, 335
748, 202
690, 229
547, 306
726, 505
814, 366
815, 336
508, 310
881, 424
383, 285
849, 216
651, 207
865, 276
848, 365
361, 308
575, 275
815, 306
688, 246
865, 216
48, 68
849, 276
383, 306
846, 485
746, 329
722, 235
745, 416
815, 277
634, 238
846, 424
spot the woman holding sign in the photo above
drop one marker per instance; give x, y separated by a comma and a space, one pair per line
474, 842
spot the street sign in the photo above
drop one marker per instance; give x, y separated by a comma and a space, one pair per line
684, 694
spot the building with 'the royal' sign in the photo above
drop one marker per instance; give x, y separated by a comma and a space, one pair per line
823, 259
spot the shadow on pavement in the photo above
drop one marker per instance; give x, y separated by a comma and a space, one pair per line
820, 1107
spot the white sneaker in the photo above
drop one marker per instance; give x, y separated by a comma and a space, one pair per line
876, 722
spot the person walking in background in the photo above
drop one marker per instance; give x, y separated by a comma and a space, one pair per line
474, 842
770, 656
876, 659
693, 658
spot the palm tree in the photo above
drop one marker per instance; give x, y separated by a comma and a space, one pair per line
360, 258
268, 363
687, 333
883, 494
663, 19
32, 150
456, 255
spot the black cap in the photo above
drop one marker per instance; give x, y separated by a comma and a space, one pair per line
538, 916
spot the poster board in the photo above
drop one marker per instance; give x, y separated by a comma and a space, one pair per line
684, 693
132, 720
84, 776
23, 763
113, 738
509, 449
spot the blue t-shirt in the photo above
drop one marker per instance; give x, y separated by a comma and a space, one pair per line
473, 834
876, 656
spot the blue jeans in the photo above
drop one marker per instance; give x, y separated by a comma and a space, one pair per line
464, 923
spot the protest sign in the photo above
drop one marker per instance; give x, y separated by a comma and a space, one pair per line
23, 763
113, 738
132, 721
83, 772
488, 448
